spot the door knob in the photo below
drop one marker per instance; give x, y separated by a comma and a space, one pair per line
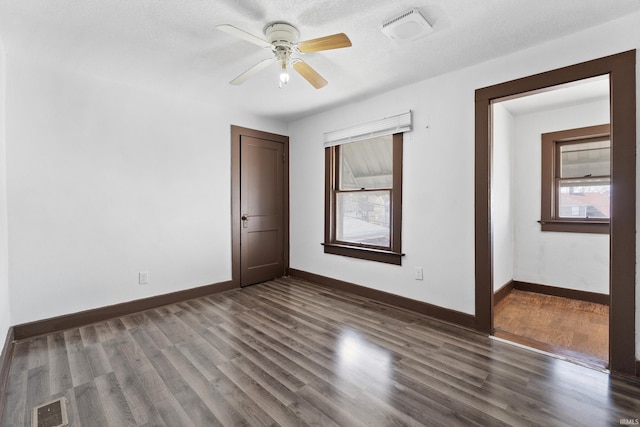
245, 221
245, 217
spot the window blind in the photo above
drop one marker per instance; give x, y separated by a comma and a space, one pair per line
387, 126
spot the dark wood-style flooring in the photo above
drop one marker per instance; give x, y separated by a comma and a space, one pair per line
578, 330
288, 352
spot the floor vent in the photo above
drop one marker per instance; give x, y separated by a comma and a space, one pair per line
52, 414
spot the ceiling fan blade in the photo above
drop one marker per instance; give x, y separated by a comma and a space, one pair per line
251, 71
237, 32
310, 74
334, 41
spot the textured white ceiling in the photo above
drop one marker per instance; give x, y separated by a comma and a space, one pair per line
173, 46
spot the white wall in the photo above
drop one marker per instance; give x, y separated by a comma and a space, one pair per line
501, 192
438, 199
569, 260
438, 207
4, 275
105, 181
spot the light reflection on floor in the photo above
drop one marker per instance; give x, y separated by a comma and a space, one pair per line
357, 357
568, 375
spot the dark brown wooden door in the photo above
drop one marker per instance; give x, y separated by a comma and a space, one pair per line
262, 229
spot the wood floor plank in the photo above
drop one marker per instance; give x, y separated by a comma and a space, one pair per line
291, 353
257, 364
59, 371
73, 416
136, 320
203, 357
261, 376
310, 414
428, 395
16, 392
464, 392
114, 403
262, 396
38, 391
303, 368
159, 339
314, 329
259, 355
288, 335
90, 409
15, 412
396, 338
226, 400
294, 374
103, 331
38, 352
143, 408
206, 310
197, 409
89, 335
78, 363
296, 339
118, 331
98, 360
329, 399
170, 326
329, 408
386, 413
534, 412
160, 384
164, 381
205, 340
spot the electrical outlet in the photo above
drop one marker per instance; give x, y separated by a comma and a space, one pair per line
143, 278
419, 273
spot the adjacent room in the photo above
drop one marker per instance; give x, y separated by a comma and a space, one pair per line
560, 277
318, 213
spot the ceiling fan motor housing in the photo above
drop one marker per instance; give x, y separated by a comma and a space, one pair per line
281, 34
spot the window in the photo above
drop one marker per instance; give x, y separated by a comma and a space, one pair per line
576, 180
363, 199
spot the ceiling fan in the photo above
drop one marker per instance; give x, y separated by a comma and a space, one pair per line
282, 39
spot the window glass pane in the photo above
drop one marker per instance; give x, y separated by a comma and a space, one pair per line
364, 217
367, 164
584, 198
585, 159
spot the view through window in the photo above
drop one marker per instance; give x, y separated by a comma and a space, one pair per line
363, 196
576, 180
363, 209
584, 182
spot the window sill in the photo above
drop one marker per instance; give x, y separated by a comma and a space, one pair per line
370, 254
573, 226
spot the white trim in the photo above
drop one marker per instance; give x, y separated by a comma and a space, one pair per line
386, 126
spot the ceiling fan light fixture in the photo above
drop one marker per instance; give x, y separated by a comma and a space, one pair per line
283, 55
284, 75
409, 26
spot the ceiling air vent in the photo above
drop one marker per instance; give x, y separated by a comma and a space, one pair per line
409, 26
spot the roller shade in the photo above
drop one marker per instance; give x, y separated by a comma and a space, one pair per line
387, 126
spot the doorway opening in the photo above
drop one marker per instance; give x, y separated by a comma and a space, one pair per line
551, 269
620, 69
